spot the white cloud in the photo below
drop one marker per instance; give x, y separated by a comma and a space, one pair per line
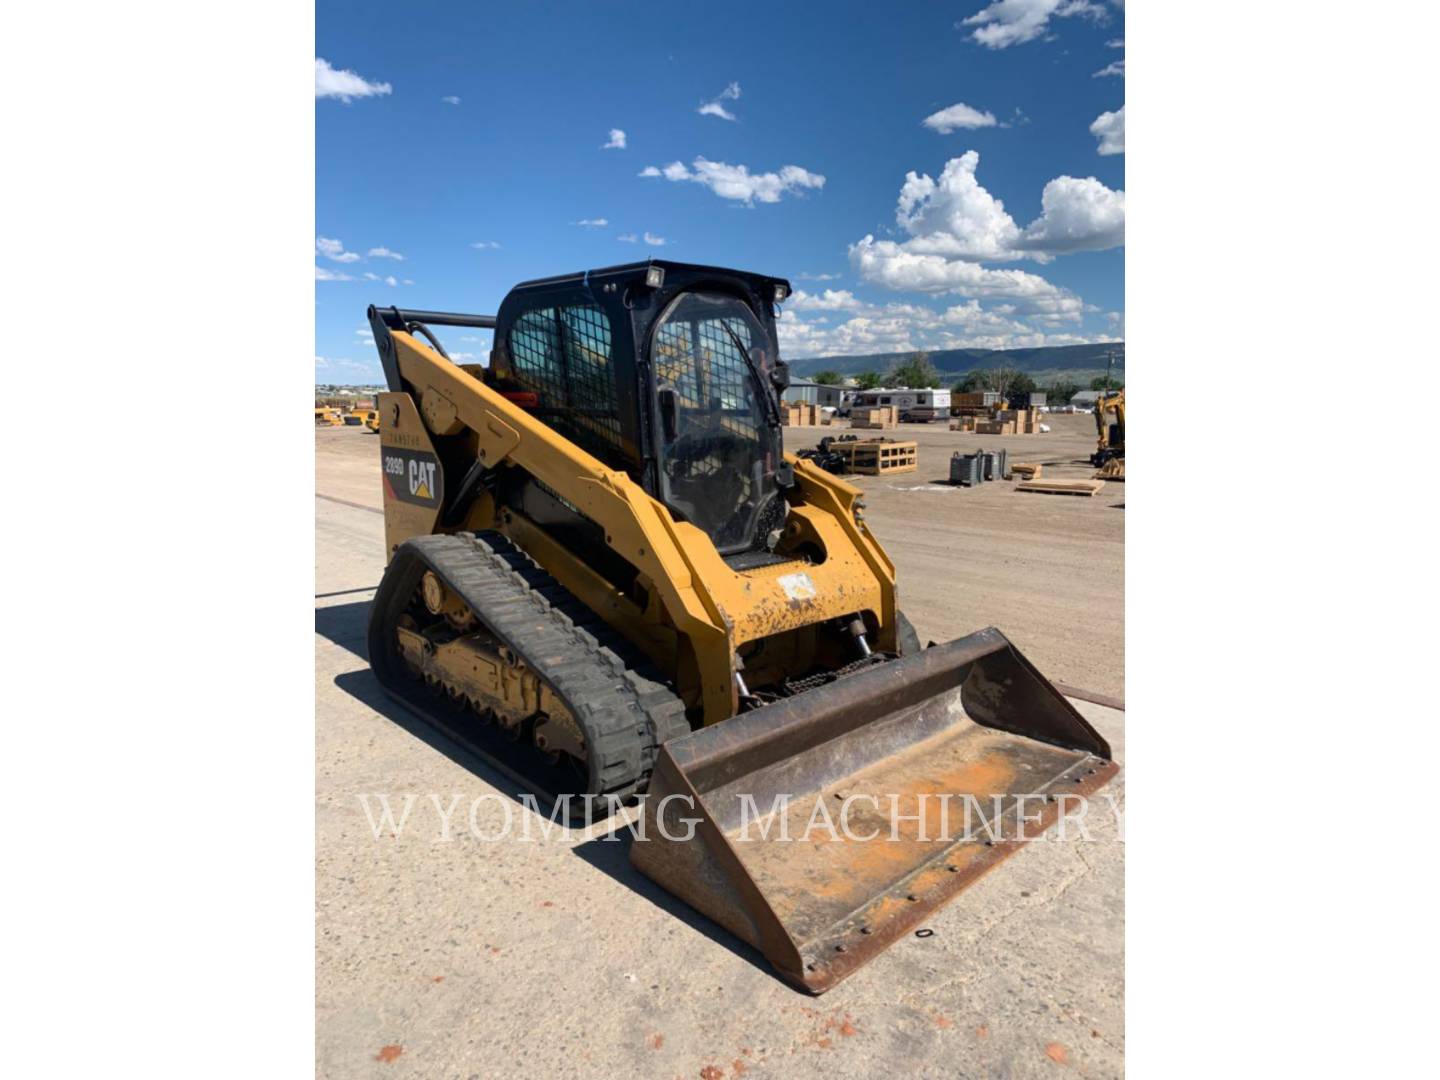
900, 327
371, 277
1109, 128
334, 250
592, 223
829, 300
322, 274
884, 262
714, 107
958, 116
1115, 67
344, 366
817, 277
738, 182
1014, 22
330, 83
485, 245
1116, 43
655, 241
617, 140
407, 281
628, 238
1076, 215
957, 218
391, 282
385, 253
451, 100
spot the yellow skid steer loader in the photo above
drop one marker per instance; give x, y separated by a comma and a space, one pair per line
605, 575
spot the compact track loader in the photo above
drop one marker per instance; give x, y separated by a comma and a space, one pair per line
606, 576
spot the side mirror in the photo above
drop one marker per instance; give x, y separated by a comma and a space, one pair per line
669, 408
780, 375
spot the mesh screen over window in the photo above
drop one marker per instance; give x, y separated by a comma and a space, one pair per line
699, 359
563, 355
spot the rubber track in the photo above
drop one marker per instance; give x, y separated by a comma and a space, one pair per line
623, 708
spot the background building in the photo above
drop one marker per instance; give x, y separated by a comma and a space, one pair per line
812, 393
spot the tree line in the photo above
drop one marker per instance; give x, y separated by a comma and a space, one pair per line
917, 371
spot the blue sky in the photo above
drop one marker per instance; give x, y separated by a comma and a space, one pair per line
471, 140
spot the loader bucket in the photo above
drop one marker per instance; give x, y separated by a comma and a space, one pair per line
888, 756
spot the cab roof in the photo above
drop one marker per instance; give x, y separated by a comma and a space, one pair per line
675, 273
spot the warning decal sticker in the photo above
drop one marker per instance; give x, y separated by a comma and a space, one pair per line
798, 586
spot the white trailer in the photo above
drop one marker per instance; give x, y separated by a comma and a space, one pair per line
911, 406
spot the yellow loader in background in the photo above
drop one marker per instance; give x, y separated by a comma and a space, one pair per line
1109, 456
607, 576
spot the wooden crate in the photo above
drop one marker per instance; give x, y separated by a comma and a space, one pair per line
878, 457
800, 414
873, 416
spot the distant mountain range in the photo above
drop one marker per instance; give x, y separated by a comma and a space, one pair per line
1042, 363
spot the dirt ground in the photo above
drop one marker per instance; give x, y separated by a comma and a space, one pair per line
549, 956
1047, 570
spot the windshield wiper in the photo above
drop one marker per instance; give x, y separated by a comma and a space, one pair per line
772, 407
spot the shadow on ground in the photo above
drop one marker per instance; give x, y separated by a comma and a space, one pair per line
609, 852
612, 858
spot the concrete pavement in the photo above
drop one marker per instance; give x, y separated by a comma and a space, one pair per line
551, 957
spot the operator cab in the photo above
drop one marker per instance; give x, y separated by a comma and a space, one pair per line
668, 371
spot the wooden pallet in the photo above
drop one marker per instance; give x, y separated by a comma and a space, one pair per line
1026, 469
1062, 487
878, 457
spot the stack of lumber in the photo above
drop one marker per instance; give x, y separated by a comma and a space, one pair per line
1061, 487
877, 457
1003, 422
1029, 470
873, 416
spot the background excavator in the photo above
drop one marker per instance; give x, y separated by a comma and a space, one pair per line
606, 575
